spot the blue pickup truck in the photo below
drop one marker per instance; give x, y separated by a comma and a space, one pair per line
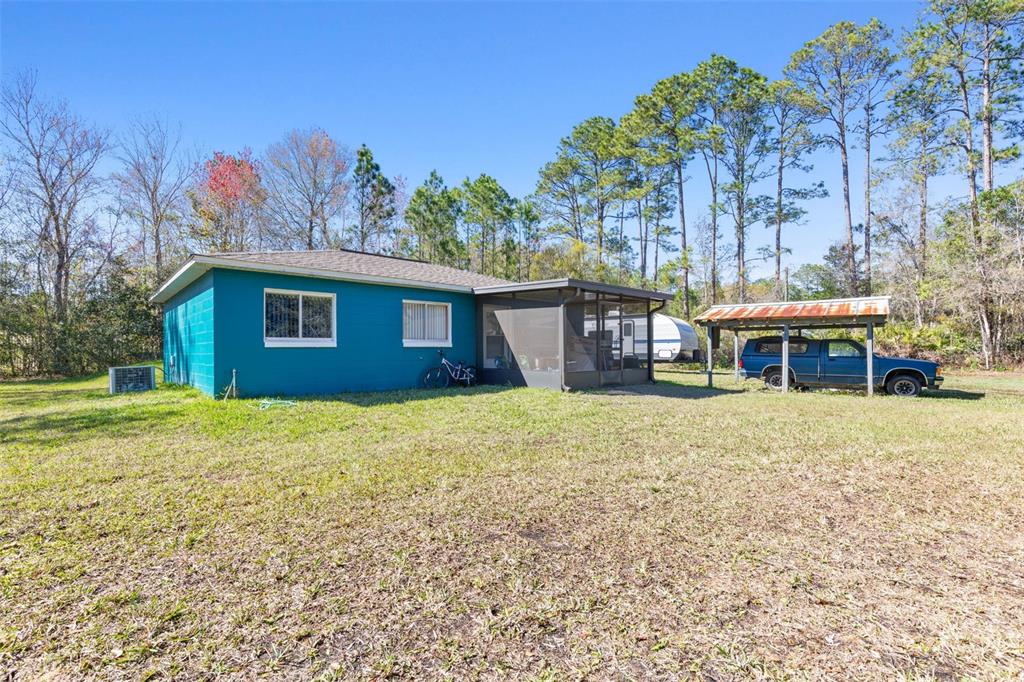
835, 363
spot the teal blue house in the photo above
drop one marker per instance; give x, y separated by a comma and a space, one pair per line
323, 322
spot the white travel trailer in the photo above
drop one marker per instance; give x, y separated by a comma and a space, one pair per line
674, 339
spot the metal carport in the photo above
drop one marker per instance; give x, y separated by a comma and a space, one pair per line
868, 312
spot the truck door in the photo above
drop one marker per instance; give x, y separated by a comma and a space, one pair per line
845, 363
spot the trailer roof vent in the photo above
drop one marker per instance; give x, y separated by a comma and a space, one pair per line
126, 379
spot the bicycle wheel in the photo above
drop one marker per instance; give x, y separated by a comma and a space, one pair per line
469, 376
436, 378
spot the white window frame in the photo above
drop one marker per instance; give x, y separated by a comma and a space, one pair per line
288, 342
427, 343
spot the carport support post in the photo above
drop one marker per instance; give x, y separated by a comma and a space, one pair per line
785, 358
736, 355
871, 358
710, 352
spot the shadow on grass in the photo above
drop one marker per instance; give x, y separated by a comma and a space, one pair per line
952, 394
65, 427
55, 381
665, 389
42, 396
20, 392
661, 389
397, 397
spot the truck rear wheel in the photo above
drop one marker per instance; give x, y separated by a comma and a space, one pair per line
903, 385
773, 379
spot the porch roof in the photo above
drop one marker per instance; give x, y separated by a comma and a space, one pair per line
570, 283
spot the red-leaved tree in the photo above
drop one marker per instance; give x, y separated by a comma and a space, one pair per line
228, 201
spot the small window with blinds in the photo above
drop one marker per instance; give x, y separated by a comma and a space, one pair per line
298, 319
425, 323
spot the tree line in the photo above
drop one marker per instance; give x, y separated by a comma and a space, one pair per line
81, 248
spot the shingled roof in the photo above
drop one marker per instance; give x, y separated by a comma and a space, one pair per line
359, 263
339, 264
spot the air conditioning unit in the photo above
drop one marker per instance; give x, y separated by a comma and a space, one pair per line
125, 379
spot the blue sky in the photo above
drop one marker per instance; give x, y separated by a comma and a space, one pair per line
461, 87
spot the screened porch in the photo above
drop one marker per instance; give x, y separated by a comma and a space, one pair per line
565, 334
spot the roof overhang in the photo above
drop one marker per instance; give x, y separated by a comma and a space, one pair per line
826, 314
198, 265
569, 283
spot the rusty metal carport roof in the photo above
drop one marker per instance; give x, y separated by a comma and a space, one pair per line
839, 312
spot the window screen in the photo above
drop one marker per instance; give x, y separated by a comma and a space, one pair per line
316, 317
282, 316
581, 336
496, 351
425, 322
297, 316
634, 335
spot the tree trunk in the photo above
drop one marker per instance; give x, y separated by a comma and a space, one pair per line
714, 233
158, 249
851, 262
60, 275
59, 298
741, 256
657, 250
922, 227
483, 248
987, 165
971, 171
643, 242
984, 295
985, 328
157, 218
622, 245
922, 247
682, 241
867, 199
778, 219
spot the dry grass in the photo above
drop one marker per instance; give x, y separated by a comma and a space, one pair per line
513, 533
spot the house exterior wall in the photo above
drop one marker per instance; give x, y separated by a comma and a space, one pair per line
369, 355
188, 324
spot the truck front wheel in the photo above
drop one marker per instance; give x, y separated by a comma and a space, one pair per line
903, 385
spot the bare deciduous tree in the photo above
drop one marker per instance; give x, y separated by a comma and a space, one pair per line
305, 176
53, 158
153, 182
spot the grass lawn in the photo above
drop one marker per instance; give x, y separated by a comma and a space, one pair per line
663, 532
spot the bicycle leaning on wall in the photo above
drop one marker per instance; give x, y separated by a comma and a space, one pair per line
444, 374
